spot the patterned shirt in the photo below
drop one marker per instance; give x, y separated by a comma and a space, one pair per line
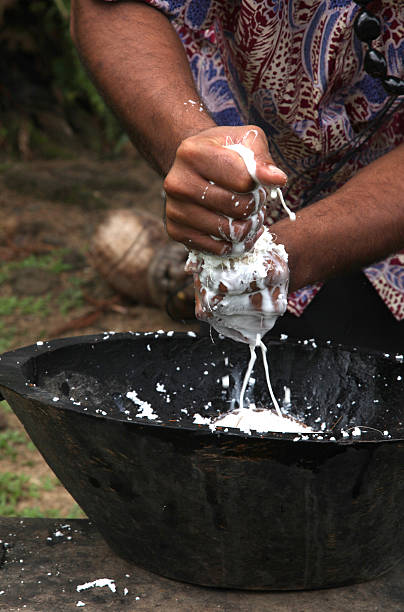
295, 68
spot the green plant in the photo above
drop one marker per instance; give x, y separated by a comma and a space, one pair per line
72, 297
63, 8
13, 489
37, 48
9, 440
53, 262
6, 336
34, 306
48, 483
35, 512
8, 305
5, 407
75, 512
24, 305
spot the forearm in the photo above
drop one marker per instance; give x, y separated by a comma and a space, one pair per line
361, 223
137, 61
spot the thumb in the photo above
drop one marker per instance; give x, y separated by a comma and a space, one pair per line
266, 170
269, 174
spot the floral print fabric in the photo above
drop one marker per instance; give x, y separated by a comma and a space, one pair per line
295, 68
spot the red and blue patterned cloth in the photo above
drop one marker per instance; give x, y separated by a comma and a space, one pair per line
295, 68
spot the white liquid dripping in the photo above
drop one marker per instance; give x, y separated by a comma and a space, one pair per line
277, 193
247, 155
266, 368
248, 158
247, 376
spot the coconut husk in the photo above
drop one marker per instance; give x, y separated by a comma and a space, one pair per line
133, 253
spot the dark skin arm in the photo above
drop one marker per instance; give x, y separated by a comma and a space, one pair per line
359, 224
137, 61
132, 53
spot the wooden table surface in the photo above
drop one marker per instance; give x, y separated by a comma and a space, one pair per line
44, 561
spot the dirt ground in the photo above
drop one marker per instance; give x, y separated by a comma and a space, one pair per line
48, 214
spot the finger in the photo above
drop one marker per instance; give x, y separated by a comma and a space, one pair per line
200, 311
203, 306
270, 175
186, 186
256, 140
232, 204
225, 167
249, 243
277, 270
208, 222
256, 300
194, 239
192, 266
238, 249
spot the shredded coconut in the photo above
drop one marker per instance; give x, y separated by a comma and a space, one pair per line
146, 411
100, 582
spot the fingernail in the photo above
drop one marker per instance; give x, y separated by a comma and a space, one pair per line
277, 173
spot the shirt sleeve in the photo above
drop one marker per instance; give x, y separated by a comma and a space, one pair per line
171, 8
194, 14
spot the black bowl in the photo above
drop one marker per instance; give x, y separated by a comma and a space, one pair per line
270, 511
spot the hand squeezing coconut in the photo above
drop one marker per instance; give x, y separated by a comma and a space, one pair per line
243, 294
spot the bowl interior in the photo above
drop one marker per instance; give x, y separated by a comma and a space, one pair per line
179, 375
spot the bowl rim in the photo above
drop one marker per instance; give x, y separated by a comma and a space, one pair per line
12, 379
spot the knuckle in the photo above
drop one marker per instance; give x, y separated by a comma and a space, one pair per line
187, 149
245, 207
252, 127
260, 132
175, 233
243, 229
171, 230
243, 183
174, 212
172, 185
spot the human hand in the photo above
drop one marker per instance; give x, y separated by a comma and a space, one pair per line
241, 298
209, 205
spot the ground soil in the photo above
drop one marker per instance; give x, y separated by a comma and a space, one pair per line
52, 208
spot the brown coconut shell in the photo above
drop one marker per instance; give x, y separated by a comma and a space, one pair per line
123, 249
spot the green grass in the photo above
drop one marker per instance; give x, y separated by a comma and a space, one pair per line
24, 305
8, 305
72, 297
48, 483
14, 488
17, 488
5, 407
76, 512
51, 261
6, 336
35, 512
10, 439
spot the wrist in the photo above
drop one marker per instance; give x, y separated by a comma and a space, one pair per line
302, 265
188, 123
